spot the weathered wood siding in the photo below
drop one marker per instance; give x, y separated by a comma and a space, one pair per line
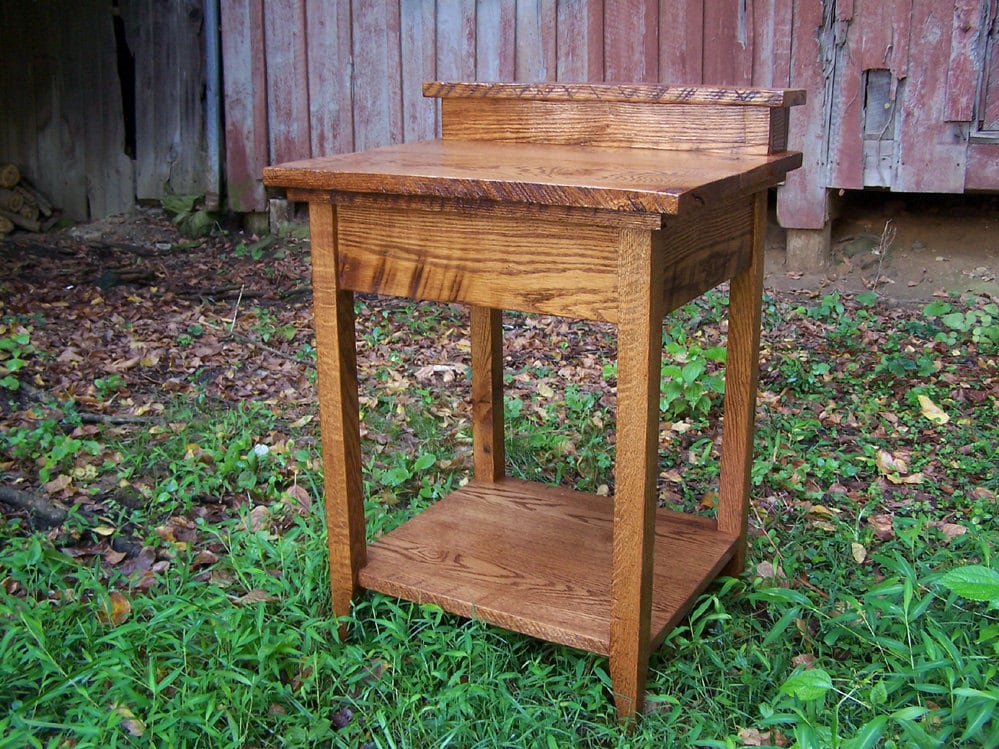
62, 113
902, 93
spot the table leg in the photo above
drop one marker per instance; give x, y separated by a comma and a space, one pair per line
639, 359
741, 375
487, 393
338, 410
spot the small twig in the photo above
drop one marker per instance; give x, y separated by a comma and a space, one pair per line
884, 244
88, 417
235, 312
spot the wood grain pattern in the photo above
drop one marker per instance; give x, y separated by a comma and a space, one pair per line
639, 356
704, 248
741, 375
632, 179
331, 103
580, 41
645, 93
488, 444
537, 559
681, 42
490, 261
610, 124
336, 366
288, 122
630, 40
932, 153
245, 93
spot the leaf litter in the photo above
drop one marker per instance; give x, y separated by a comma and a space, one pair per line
131, 316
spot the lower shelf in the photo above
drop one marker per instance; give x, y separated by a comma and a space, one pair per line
537, 559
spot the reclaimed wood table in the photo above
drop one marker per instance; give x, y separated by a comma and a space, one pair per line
598, 202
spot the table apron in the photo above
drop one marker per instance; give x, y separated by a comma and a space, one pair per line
555, 266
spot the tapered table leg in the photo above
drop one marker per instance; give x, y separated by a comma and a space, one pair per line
487, 393
639, 359
338, 410
741, 375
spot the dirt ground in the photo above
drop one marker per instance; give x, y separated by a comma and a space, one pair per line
906, 247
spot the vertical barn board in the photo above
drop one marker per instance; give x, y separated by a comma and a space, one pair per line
377, 74
419, 64
61, 173
969, 35
245, 94
25, 79
681, 42
456, 40
287, 80
932, 152
983, 167
728, 43
988, 105
801, 201
495, 40
771, 42
846, 131
167, 41
631, 41
331, 121
580, 41
535, 57
110, 173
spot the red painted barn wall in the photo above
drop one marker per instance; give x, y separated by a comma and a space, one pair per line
902, 93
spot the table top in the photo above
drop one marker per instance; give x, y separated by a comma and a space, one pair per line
637, 180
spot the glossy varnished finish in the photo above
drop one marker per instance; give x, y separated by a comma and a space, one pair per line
612, 203
635, 180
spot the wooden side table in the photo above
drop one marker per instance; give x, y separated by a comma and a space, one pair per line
601, 202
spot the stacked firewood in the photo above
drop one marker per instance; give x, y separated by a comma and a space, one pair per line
21, 205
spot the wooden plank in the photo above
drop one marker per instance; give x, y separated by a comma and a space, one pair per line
728, 44
336, 367
630, 180
492, 261
969, 35
609, 124
28, 92
537, 560
983, 167
110, 173
170, 80
330, 68
932, 152
580, 41
244, 91
419, 64
989, 98
741, 375
636, 93
639, 360
704, 248
536, 39
783, 34
495, 40
801, 201
377, 80
488, 439
846, 117
288, 121
631, 45
681, 42
456, 39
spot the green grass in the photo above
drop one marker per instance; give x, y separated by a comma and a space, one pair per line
868, 615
